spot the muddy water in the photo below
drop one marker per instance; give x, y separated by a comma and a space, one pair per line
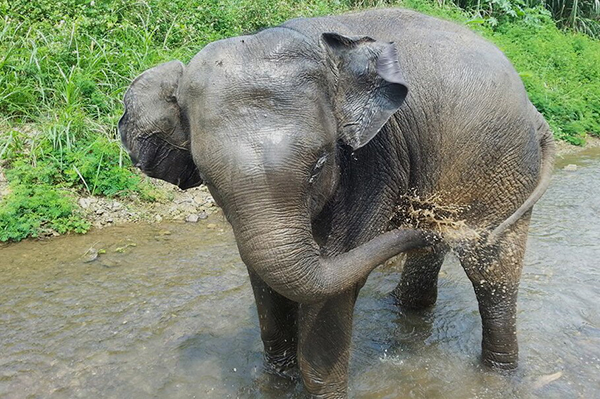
166, 311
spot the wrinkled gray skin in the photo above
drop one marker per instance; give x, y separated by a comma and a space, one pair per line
306, 137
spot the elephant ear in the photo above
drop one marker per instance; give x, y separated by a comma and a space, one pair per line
155, 131
367, 85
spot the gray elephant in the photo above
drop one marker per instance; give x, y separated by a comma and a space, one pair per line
317, 137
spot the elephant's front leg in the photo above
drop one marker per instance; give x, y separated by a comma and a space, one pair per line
277, 316
418, 285
325, 332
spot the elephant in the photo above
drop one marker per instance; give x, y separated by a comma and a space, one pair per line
324, 140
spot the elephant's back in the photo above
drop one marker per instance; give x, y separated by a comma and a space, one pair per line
467, 122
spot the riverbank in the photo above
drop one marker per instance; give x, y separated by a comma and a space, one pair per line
193, 205
196, 205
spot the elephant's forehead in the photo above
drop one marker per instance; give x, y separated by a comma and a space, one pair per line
268, 65
270, 99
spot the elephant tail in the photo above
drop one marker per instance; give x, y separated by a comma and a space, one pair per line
548, 149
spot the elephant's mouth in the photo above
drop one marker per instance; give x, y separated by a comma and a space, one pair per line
161, 160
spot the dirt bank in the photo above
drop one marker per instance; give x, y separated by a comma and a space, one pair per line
196, 204
193, 205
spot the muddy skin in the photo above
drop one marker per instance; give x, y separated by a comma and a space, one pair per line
309, 135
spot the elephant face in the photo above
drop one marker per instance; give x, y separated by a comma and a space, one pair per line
152, 128
272, 110
267, 115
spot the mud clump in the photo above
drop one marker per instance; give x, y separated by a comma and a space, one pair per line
431, 213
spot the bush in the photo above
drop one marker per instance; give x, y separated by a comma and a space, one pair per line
31, 211
561, 74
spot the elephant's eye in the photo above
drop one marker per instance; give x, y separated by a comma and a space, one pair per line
317, 168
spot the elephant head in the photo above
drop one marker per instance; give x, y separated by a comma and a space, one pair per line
268, 114
153, 129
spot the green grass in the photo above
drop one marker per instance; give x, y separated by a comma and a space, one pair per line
65, 64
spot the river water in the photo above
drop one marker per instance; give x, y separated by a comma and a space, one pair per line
166, 311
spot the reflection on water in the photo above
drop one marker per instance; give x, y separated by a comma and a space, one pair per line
167, 311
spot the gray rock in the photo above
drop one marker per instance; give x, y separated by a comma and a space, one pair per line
193, 218
90, 256
85, 202
570, 167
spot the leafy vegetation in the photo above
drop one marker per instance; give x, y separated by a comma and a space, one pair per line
64, 66
580, 15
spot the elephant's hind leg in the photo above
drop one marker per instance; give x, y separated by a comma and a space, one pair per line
494, 271
418, 285
277, 316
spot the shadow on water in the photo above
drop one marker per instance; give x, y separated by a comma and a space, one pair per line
167, 311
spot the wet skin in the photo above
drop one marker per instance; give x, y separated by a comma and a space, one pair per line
309, 134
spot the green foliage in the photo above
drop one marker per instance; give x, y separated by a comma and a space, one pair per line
31, 211
64, 66
561, 73
93, 165
579, 15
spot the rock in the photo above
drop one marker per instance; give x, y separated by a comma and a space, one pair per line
85, 203
202, 215
193, 218
90, 255
211, 226
200, 198
570, 167
187, 209
100, 211
116, 205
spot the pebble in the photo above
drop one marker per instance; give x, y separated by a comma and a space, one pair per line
570, 167
200, 199
193, 218
85, 202
90, 256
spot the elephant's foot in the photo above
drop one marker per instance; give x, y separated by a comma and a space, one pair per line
322, 390
499, 348
282, 364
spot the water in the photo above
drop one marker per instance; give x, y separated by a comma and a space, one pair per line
167, 312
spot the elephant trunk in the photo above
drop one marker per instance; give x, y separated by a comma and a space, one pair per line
286, 256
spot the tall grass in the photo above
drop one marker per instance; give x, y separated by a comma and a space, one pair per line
64, 66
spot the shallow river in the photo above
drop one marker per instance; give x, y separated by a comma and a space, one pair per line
167, 312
